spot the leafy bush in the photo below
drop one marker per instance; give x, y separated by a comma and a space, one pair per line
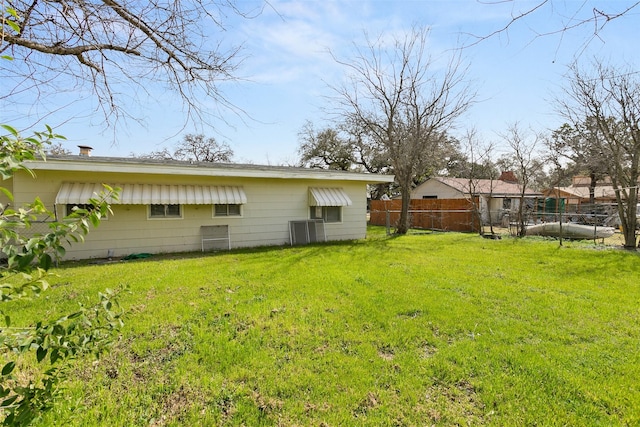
27, 258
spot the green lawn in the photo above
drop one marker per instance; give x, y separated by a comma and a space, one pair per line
428, 328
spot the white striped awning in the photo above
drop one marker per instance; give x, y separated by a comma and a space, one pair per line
328, 197
151, 194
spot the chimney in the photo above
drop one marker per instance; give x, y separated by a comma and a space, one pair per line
508, 176
85, 150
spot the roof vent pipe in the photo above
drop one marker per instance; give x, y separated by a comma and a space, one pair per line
85, 150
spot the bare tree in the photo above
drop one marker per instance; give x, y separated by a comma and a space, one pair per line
118, 48
609, 97
554, 155
523, 153
538, 177
57, 149
579, 15
478, 156
195, 148
404, 102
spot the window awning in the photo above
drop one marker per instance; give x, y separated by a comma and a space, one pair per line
151, 194
328, 197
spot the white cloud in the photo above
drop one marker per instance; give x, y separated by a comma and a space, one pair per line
292, 43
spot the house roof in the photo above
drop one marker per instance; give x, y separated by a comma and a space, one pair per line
486, 186
580, 192
176, 167
585, 181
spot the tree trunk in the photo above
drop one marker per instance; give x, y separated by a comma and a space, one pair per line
404, 223
629, 219
592, 189
522, 227
477, 210
489, 200
629, 233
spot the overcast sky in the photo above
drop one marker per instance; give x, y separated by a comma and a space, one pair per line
288, 68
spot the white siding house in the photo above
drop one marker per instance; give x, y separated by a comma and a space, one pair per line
170, 206
496, 197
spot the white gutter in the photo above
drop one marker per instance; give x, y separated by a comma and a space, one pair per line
135, 166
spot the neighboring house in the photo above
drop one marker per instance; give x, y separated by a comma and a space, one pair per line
496, 197
577, 194
577, 201
172, 206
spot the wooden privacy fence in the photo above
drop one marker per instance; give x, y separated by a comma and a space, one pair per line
432, 214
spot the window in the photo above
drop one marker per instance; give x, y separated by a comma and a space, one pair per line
165, 211
226, 210
327, 213
429, 197
71, 207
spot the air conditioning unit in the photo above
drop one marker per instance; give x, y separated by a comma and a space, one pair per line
307, 231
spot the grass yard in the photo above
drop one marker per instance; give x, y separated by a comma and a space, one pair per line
423, 329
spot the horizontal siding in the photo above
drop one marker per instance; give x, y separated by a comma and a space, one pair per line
433, 187
271, 204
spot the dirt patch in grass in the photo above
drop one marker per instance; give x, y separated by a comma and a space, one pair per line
145, 365
177, 404
170, 342
386, 352
428, 350
370, 401
265, 404
455, 404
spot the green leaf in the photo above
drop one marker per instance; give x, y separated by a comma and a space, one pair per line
8, 402
55, 355
11, 11
41, 353
25, 260
14, 26
10, 129
46, 261
8, 368
58, 331
7, 193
